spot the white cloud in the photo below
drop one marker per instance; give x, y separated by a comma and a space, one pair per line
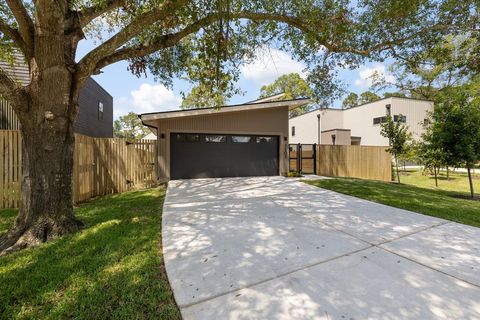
365, 74
147, 98
270, 64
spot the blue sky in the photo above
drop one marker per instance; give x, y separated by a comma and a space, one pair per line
144, 95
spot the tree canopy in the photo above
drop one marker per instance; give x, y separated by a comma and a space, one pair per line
353, 99
367, 97
350, 101
207, 41
201, 97
293, 86
453, 133
129, 126
450, 63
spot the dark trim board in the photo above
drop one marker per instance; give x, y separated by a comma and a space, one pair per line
215, 155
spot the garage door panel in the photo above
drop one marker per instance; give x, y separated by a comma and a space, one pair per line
211, 155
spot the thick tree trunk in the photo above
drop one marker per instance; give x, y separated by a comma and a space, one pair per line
46, 209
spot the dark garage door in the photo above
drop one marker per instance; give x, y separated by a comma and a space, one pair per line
220, 155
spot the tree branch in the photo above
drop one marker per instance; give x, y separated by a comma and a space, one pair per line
87, 15
14, 35
7, 85
25, 25
166, 10
165, 41
171, 39
105, 54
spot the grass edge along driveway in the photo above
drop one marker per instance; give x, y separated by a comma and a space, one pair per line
437, 203
112, 269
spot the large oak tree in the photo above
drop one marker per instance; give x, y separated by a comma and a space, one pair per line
205, 41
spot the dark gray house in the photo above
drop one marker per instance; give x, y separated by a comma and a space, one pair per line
94, 119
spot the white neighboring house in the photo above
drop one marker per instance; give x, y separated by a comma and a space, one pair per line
359, 125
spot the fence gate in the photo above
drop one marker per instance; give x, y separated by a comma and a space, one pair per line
302, 158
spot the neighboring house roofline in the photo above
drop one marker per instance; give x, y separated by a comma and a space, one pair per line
101, 87
335, 130
360, 105
317, 109
405, 98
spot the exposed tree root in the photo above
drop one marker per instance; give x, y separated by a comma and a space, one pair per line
43, 230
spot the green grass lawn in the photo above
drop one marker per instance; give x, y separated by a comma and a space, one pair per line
113, 269
457, 181
437, 203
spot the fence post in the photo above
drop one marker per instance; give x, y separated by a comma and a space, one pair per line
299, 157
314, 154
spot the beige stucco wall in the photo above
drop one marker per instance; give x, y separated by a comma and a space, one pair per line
268, 121
342, 137
360, 121
307, 126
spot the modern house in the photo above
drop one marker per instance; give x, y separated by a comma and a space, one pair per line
249, 139
360, 125
95, 116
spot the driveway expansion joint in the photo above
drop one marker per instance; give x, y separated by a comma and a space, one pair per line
429, 267
275, 277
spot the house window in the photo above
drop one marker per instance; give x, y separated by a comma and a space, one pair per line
187, 137
100, 110
263, 139
388, 108
379, 120
400, 118
241, 139
217, 139
293, 131
334, 137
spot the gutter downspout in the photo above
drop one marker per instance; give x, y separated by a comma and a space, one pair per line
319, 129
147, 125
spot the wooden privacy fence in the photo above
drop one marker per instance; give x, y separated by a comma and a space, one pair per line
363, 162
10, 168
101, 166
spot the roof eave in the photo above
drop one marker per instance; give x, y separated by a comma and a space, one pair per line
291, 104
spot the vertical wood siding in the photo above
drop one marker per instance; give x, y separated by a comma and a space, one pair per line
101, 166
271, 121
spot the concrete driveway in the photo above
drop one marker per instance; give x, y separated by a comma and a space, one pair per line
276, 248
